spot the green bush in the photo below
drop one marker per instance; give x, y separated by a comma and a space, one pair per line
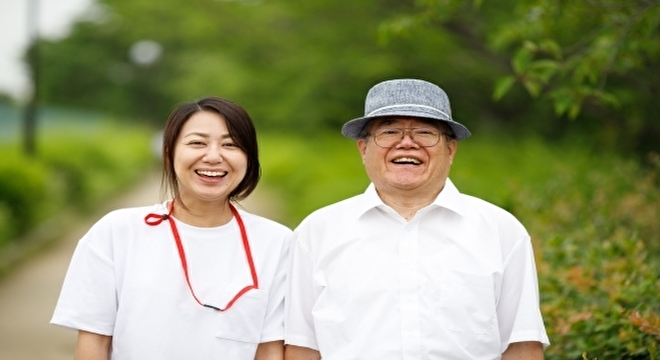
73, 169
92, 165
309, 173
23, 188
7, 228
593, 217
596, 231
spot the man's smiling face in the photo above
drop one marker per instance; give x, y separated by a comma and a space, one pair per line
407, 166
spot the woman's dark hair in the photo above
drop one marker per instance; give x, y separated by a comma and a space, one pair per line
241, 129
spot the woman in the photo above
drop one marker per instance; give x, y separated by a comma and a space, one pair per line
192, 278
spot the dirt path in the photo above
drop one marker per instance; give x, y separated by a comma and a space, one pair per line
28, 294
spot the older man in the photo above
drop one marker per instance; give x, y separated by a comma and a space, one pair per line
411, 268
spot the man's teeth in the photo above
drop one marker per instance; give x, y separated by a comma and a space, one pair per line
407, 160
212, 173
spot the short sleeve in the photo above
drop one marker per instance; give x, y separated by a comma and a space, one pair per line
88, 299
518, 307
299, 324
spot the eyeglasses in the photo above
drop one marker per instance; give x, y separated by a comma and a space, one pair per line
426, 137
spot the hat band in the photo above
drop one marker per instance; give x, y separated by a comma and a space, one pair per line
410, 105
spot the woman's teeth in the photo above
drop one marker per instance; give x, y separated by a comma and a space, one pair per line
211, 173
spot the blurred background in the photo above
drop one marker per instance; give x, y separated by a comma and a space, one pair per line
562, 99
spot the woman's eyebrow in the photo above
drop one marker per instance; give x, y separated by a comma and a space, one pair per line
205, 135
197, 134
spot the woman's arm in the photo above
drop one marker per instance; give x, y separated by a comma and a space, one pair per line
91, 346
273, 350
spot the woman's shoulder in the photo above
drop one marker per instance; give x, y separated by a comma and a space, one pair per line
131, 214
261, 223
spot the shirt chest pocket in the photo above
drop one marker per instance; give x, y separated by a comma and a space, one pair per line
244, 321
464, 302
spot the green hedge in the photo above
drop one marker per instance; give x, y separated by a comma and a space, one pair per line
23, 187
71, 170
593, 217
90, 167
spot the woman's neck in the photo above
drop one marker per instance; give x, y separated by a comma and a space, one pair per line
202, 214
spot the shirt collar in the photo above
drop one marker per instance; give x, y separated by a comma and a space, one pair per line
449, 198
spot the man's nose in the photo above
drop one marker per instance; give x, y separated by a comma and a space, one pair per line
407, 139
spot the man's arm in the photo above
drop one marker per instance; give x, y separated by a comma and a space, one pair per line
292, 352
91, 346
528, 350
273, 350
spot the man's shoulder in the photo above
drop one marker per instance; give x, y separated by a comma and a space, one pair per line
485, 207
341, 209
341, 205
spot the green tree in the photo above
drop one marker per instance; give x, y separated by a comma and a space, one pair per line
590, 67
597, 61
300, 66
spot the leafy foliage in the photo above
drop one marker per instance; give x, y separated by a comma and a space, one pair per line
572, 49
305, 66
23, 185
74, 169
308, 173
295, 66
594, 60
239, 50
120, 156
597, 238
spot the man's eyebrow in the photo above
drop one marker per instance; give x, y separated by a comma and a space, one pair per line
391, 121
384, 121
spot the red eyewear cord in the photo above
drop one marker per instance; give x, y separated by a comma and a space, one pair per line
156, 219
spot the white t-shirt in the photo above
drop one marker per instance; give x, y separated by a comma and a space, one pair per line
126, 280
456, 282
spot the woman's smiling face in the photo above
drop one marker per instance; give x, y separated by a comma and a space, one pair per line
207, 162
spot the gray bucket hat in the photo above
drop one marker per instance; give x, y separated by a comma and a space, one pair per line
405, 97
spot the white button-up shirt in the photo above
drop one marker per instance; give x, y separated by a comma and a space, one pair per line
456, 282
